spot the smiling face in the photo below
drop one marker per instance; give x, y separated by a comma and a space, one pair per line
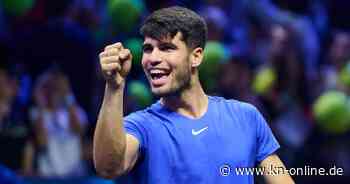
167, 65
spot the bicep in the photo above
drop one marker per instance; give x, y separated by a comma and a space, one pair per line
131, 151
275, 171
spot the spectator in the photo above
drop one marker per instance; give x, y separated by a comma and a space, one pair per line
15, 132
288, 103
338, 55
59, 127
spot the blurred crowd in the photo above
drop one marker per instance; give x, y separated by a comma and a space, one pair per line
280, 55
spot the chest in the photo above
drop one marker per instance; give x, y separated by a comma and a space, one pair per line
205, 146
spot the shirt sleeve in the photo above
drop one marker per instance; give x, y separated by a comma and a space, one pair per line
134, 125
266, 141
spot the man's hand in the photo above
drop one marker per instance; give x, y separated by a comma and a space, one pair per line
115, 63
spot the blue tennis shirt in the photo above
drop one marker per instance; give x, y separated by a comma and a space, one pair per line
175, 149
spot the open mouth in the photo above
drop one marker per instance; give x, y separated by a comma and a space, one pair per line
158, 77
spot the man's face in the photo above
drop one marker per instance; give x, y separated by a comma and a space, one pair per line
166, 65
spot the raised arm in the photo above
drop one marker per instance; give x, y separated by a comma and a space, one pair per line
114, 151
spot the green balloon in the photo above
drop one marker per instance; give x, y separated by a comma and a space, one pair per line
139, 4
140, 92
332, 112
264, 80
17, 7
344, 75
124, 13
214, 54
135, 46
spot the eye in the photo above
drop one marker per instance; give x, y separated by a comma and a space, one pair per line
147, 48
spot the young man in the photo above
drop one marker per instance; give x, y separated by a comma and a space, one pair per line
187, 136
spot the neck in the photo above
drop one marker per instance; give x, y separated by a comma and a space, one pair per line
191, 102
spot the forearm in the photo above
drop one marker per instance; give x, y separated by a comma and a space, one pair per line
109, 139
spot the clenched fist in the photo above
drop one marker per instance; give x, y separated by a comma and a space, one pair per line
115, 63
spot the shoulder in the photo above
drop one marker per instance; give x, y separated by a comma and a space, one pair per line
233, 105
137, 116
142, 115
241, 113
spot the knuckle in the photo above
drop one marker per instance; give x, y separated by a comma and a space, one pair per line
113, 51
119, 45
103, 66
103, 60
115, 59
123, 52
126, 52
107, 47
102, 54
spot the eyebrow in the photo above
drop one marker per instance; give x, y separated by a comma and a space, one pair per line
161, 44
168, 44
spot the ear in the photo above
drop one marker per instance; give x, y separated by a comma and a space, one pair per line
197, 57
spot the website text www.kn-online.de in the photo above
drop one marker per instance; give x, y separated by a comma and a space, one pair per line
226, 170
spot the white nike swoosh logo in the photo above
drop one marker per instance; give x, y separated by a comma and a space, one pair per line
199, 131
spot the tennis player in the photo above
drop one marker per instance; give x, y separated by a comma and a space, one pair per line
186, 137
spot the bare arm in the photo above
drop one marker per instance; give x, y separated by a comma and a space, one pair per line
274, 165
109, 138
115, 152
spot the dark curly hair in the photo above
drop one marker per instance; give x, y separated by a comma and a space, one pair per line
169, 21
